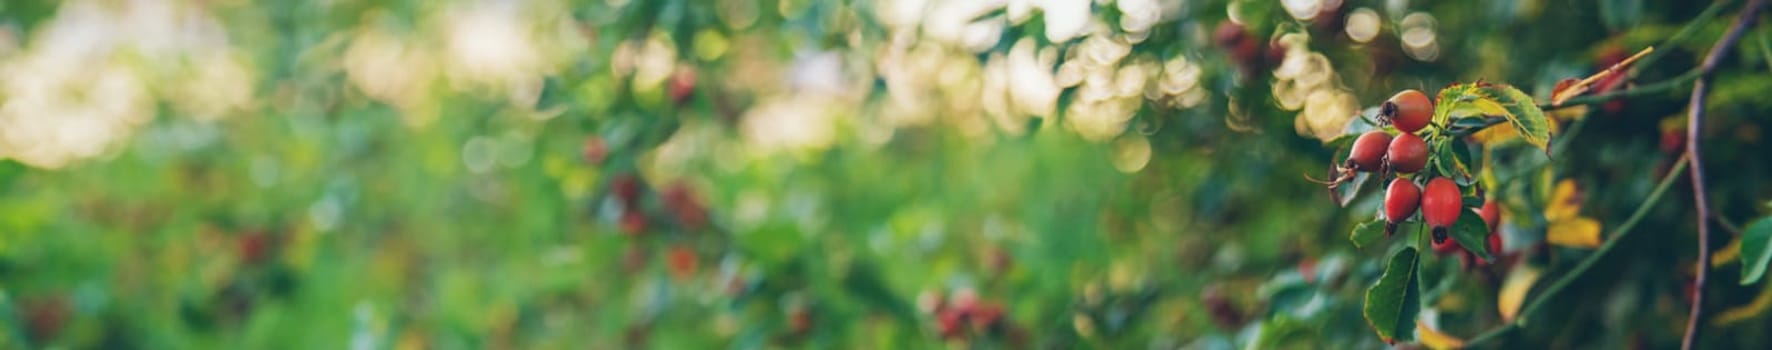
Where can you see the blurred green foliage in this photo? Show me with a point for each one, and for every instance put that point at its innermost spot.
(800, 173)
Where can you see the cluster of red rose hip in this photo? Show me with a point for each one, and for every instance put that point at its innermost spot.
(1439, 201)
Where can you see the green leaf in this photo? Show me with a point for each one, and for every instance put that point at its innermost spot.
(1366, 233)
(1371, 231)
(1756, 249)
(1393, 302)
(1523, 114)
(1461, 101)
(1480, 99)
(1471, 232)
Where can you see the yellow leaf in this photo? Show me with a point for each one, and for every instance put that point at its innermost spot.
(1433, 339)
(1566, 114)
(1728, 254)
(1582, 232)
(1489, 107)
(1513, 290)
(1565, 202)
(1495, 135)
(1744, 312)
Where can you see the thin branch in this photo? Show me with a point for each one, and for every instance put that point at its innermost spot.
(1658, 87)
(1618, 234)
(1695, 130)
(1686, 32)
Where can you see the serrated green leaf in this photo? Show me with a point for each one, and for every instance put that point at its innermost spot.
(1392, 303)
(1366, 233)
(1756, 249)
(1484, 100)
(1458, 102)
(1471, 232)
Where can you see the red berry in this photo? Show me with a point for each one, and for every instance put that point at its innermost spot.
(1368, 152)
(682, 262)
(965, 300)
(45, 317)
(1276, 53)
(257, 248)
(948, 322)
(626, 188)
(800, 321)
(1400, 200)
(1409, 110)
(682, 85)
(1228, 34)
(1491, 213)
(1673, 141)
(633, 223)
(680, 199)
(595, 151)
(1446, 246)
(1495, 243)
(986, 316)
(1408, 153)
(1441, 204)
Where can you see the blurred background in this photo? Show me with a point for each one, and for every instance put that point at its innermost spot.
(831, 174)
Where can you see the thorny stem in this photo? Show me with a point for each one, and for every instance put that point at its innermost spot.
(1667, 181)
(1694, 130)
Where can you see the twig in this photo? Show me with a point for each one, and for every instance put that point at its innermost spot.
(1694, 130)
(1662, 86)
(1556, 287)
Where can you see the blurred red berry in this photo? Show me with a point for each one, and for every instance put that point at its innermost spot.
(949, 323)
(682, 85)
(688, 210)
(626, 188)
(595, 151)
(256, 248)
(682, 262)
(985, 316)
(633, 223)
(45, 317)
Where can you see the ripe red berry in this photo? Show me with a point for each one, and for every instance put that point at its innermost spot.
(626, 188)
(986, 316)
(682, 85)
(595, 151)
(1491, 213)
(257, 248)
(964, 300)
(948, 323)
(1400, 200)
(1495, 243)
(1441, 204)
(45, 317)
(1228, 34)
(1446, 246)
(633, 223)
(682, 262)
(1408, 153)
(1368, 151)
(1409, 110)
(680, 199)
